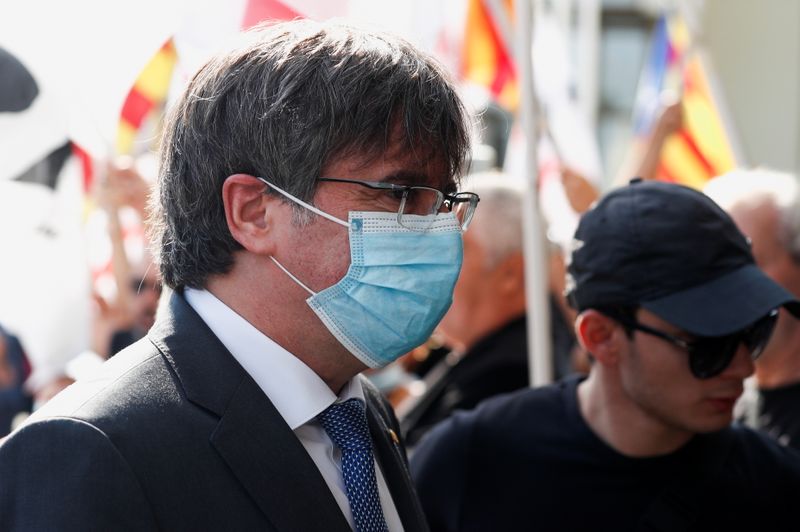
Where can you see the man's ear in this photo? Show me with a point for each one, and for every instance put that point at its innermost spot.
(600, 335)
(511, 274)
(250, 212)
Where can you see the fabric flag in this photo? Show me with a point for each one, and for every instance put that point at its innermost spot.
(44, 280)
(147, 95)
(701, 149)
(32, 125)
(487, 59)
(258, 10)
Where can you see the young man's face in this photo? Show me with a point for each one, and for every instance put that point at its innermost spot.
(656, 378)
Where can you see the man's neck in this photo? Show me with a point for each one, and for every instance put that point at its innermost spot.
(332, 362)
(621, 424)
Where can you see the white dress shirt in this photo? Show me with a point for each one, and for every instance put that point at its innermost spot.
(297, 392)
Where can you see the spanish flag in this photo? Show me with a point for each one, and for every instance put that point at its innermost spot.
(487, 60)
(146, 96)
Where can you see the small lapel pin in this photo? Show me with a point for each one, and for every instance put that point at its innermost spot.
(393, 434)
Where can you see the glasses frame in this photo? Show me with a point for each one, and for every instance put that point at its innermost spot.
(449, 201)
(695, 348)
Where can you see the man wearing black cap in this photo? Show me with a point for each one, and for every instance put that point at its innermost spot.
(673, 311)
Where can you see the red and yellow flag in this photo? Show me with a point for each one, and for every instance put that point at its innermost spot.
(701, 149)
(487, 61)
(148, 93)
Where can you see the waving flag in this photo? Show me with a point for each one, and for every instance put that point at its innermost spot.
(701, 149)
(487, 55)
(147, 94)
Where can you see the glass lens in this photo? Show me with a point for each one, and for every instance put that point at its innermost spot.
(464, 207)
(418, 202)
(709, 356)
(757, 336)
(421, 201)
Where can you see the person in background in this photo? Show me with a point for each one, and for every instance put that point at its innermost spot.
(644, 155)
(308, 225)
(485, 326)
(14, 369)
(128, 315)
(131, 313)
(673, 310)
(765, 204)
(141, 304)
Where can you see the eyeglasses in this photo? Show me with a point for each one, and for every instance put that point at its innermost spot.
(417, 200)
(710, 355)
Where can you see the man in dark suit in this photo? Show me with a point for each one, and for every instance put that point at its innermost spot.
(314, 158)
(673, 310)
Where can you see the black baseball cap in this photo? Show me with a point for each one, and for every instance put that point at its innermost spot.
(670, 250)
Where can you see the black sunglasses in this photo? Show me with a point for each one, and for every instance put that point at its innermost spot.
(710, 355)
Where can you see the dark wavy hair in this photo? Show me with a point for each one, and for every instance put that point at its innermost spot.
(296, 97)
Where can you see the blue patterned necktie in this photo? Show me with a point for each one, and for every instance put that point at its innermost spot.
(346, 424)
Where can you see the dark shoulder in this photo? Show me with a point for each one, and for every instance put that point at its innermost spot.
(530, 414)
(67, 483)
(543, 404)
(136, 381)
(758, 482)
(759, 458)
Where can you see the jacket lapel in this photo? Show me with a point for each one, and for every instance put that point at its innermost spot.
(273, 466)
(251, 436)
(393, 463)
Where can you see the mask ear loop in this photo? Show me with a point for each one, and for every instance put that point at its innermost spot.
(312, 209)
(295, 279)
(304, 204)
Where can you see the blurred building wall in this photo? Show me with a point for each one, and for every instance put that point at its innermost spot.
(755, 49)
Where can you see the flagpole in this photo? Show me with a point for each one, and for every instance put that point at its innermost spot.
(536, 294)
(588, 46)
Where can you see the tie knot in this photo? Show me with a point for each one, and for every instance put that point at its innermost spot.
(346, 424)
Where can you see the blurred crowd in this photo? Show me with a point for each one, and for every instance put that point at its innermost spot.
(616, 419)
(122, 310)
(480, 348)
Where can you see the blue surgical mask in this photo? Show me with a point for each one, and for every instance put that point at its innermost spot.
(399, 284)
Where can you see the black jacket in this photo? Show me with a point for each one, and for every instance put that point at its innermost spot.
(175, 435)
(496, 364)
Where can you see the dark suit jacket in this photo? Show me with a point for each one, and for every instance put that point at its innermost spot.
(175, 435)
(14, 399)
(496, 364)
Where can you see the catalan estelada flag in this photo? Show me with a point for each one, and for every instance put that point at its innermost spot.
(487, 60)
(701, 149)
(147, 94)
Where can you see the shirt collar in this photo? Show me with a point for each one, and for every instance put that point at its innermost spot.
(297, 392)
